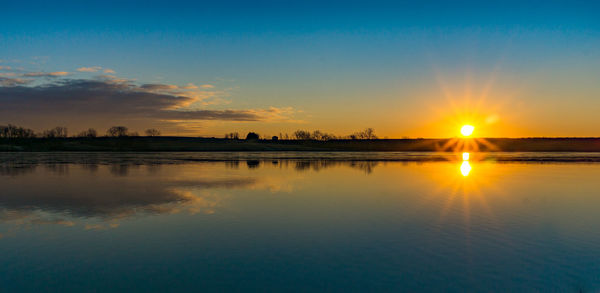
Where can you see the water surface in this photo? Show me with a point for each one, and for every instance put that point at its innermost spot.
(299, 222)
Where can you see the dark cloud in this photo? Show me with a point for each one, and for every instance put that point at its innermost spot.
(153, 86)
(231, 115)
(104, 101)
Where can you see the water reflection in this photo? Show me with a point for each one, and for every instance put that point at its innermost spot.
(105, 195)
(188, 225)
(99, 193)
(465, 167)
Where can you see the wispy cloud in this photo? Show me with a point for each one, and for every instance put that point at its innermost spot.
(190, 86)
(96, 69)
(89, 69)
(5, 68)
(11, 82)
(114, 79)
(46, 74)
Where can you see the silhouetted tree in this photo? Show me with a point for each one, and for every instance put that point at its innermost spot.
(252, 136)
(12, 131)
(319, 135)
(302, 135)
(117, 131)
(315, 135)
(368, 133)
(56, 132)
(88, 133)
(232, 135)
(152, 132)
(274, 137)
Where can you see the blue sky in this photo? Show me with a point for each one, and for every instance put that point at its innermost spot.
(404, 68)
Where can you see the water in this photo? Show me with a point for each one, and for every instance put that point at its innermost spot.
(299, 222)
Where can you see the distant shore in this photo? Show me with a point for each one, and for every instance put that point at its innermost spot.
(191, 144)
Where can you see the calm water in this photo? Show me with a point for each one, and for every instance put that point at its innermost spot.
(299, 222)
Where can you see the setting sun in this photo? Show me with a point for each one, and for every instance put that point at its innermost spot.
(467, 130)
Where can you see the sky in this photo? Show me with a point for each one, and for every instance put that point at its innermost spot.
(206, 68)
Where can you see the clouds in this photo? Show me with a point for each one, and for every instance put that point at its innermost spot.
(46, 74)
(89, 69)
(18, 76)
(108, 100)
(96, 69)
(94, 96)
(158, 87)
(230, 115)
(11, 82)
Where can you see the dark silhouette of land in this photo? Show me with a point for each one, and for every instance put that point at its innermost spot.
(120, 139)
(166, 143)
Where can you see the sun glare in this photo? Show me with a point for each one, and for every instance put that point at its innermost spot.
(465, 156)
(467, 130)
(465, 168)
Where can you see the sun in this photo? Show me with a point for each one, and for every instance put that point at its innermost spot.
(467, 130)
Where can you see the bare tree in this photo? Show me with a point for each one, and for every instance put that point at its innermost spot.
(368, 133)
(117, 131)
(90, 133)
(317, 135)
(232, 135)
(12, 131)
(152, 132)
(302, 135)
(56, 132)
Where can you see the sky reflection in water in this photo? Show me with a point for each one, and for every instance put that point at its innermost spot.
(299, 225)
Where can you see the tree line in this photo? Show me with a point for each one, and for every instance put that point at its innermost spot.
(368, 133)
(12, 131)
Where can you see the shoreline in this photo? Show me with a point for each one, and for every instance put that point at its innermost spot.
(190, 144)
(158, 158)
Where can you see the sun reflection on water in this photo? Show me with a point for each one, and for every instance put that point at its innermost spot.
(465, 156)
(465, 168)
